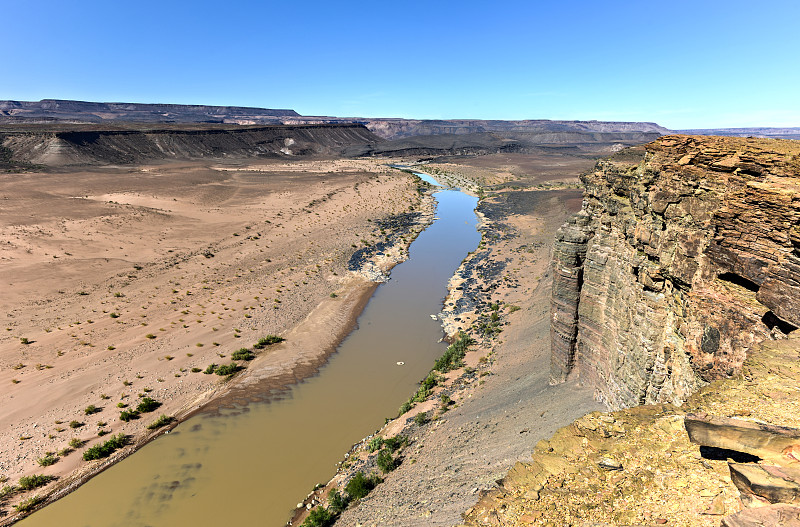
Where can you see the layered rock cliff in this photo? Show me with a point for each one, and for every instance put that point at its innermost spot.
(676, 285)
(686, 254)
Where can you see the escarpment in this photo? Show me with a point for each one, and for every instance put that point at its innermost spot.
(685, 255)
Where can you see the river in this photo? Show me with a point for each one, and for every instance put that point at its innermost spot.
(251, 465)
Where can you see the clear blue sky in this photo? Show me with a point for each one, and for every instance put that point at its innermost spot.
(683, 64)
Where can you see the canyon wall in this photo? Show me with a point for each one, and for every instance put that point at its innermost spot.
(685, 255)
(94, 145)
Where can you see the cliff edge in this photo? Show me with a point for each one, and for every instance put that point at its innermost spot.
(685, 255)
(676, 296)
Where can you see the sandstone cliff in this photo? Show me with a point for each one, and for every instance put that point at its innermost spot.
(686, 254)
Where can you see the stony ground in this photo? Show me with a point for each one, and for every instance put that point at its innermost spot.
(638, 466)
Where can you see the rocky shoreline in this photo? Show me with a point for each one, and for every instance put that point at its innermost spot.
(480, 302)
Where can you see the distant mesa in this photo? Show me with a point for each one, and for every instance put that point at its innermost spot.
(50, 110)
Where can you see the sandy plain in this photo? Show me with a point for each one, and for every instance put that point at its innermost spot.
(124, 282)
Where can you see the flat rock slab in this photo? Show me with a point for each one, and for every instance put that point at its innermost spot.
(770, 516)
(762, 440)
(771, 483)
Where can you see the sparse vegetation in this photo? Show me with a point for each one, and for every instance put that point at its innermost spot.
(361, 485)
(375, 443)
(386, 462)
(75, 442)
(163, 420)
(242, 354)
(29, 504)
(127, 415)
(267, 341)
(319, 517)
(395, 443)
(147, 405)
(34, 481)
(75, 424)
(228, 369)
(48, 459)
(91, 409)
(106, 449)
(453, 357)
(337, 502)
(421, 418)
(7, 491)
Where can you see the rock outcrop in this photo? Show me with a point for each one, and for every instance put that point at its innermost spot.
(731, 450)
(686, 254)
(675, 295)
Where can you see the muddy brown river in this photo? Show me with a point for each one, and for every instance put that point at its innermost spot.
(251, 465)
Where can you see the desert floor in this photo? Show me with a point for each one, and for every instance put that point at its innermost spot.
(124, 282)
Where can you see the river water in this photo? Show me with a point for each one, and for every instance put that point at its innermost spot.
(251, 465)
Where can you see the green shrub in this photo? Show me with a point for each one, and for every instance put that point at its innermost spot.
(361, 485)
(242, 354)
(211, 368)
(337, 502)
(106, 449)
(421, 418)
(29, 504)
(31, 482)
(394, 443)
(229, 369)
(91, 409)
(406, 406)
(385, 461)
(147, 405)
(75, 442)
(75, 424)
(454, 355)
(47, 460)
(164, 420)
(375, 443)
(267, 341)
(7, 491)
(319, 517)
(127, 415)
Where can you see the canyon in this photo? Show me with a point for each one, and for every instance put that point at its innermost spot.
(651, 306)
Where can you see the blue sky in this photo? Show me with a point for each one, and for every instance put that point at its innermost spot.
(679, 63)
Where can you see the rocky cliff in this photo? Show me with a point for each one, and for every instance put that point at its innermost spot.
(96, 144)
(676, 285)
(686, 254)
